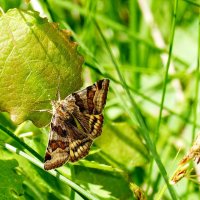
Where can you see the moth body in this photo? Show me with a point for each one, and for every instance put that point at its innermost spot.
(76, 122)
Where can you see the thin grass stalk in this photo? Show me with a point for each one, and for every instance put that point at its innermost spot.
(196, 87)
(24, 145)
(143, 128)
(165, 82)
(167, 70)
(88, 52)
(54, 173)
(110, 23)
(141, 94)
(134, 51)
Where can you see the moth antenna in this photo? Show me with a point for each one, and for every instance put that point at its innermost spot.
(42, 101)
(58, 89)
(43, 110)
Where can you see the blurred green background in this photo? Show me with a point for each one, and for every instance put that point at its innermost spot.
(150, 51)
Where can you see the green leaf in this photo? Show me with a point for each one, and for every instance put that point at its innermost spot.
(11, 182)
(104, 185)
(47, 187)
(122, 146)
(6, 4)
(36, 59)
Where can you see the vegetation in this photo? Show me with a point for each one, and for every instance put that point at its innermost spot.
(150, 51)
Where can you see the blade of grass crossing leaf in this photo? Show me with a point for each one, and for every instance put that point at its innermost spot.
(40, 164)
(144, 130)
(21, 143)
(52, 172)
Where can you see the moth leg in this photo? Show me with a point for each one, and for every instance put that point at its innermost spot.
(43, 110)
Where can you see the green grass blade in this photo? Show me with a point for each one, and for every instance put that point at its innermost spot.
(40, 162)
(54, 173)
(167, 70)
(196, 87)
(24, 145)
(143, 128)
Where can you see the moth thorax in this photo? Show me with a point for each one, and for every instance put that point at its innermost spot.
(58, 108)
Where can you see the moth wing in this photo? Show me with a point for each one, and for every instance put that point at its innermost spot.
(92, 99)
(57, 152)
(90, 124)
(66, 143)
(71, 141)
(90, 103)
(79, 144)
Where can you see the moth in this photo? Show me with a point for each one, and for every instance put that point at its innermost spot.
(76, 122)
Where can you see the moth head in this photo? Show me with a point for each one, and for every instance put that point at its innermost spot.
(58, 107)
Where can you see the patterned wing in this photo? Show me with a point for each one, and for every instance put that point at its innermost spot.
(77, 121)
(79, 144)
(92, 99)
(66, 143)
(89, 105)
(57, 152)
(90, 124)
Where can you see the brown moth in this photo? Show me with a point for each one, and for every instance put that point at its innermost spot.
(76, 122)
